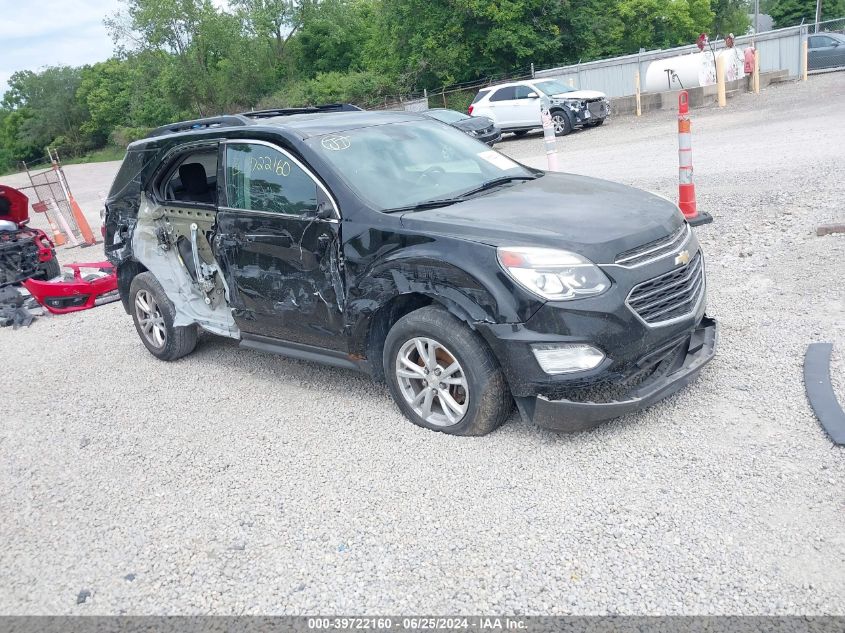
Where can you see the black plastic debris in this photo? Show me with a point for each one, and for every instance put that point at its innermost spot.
(17, 309)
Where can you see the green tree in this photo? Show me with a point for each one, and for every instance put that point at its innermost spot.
(663, 23)
(731, 17)
(48, 111)
(792, 12)
(332, 37)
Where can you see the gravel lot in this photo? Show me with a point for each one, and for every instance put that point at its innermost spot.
(236, 482)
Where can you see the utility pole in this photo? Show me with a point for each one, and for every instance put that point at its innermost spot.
(818, 14)
(756, 17)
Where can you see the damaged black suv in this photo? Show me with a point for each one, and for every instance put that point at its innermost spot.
(394, 244)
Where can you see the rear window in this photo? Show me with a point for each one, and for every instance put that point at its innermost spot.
(481, 94)
(128, 178)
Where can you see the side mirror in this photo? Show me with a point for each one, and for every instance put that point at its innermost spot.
(533, 95)
(325, 211)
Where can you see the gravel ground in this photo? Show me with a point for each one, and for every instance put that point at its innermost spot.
(236, 482)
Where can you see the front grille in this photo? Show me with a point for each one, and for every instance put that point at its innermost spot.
(597, 108)
(653, 250)
(670, 296)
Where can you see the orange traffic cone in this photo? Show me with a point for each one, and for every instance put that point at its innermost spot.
(686, 186)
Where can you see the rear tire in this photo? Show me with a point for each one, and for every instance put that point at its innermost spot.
(153, 314)
(443, 376)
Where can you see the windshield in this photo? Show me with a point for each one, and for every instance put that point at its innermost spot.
(552, 87)
(447, 116)
(408, 163)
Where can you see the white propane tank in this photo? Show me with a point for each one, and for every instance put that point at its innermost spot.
(734, 62)
(693, 70)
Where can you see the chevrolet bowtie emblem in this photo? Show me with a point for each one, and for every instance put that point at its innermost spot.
(682, 258)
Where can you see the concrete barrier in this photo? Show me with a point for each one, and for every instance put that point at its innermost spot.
(698, 97)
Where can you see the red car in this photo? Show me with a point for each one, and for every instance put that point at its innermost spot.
(24, 252)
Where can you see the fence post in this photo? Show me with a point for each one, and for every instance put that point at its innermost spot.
(443, 94)
(637, 91)
(720, 81)
(804, 54)
(756, 71)
(532, 70)
(425, 95)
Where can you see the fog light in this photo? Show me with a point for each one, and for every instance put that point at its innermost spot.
(563, 358)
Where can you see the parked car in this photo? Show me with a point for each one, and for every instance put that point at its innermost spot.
(389, 243)
(825, 50)
(515, 107)
(479, 127)
(25, 252)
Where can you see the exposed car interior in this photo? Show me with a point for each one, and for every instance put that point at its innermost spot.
(195, 179)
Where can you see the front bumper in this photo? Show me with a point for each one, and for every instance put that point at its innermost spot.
(571, 416)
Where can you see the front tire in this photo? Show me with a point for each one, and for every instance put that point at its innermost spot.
(49, 270)
(561, 122)
(153, 314)
(443, 376)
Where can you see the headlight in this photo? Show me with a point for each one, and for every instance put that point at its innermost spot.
(553, 274)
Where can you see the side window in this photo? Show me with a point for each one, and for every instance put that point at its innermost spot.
(504, 94)
(522, 92)
(820, 41)
(194, 179)
(260, 178)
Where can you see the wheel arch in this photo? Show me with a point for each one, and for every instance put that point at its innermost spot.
(398, 306)
(126, 272)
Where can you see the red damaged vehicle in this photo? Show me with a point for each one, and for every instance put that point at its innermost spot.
(25, 252)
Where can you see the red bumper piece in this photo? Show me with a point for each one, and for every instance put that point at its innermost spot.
(81, 293)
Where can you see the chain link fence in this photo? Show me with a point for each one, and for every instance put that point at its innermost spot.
(48, 184)
(826, 46)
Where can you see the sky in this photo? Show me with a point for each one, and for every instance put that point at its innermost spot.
(34, 34)
(39, 33)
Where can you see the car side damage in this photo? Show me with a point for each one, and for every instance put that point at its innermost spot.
(173, 244)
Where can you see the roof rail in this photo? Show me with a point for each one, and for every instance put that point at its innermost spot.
(208, 122)
(329, 107)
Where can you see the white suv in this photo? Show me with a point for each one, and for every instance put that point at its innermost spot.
(515, 107)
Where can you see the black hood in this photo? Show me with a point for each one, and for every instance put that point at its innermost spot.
(474, 123)
(595, 218)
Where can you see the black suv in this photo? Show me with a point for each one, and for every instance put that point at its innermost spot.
(396, 245)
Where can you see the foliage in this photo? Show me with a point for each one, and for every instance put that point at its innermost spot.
(183, 59)
(731, 17)
(792, 12)
(365, 89)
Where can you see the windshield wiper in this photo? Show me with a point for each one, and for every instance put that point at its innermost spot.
(427, 204)
(444, 202)
(490, 184)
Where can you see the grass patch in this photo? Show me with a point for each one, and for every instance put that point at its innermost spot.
(108, 153)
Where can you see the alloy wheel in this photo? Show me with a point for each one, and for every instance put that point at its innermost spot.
(559, 123)
(150, 319)
(432, 381)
